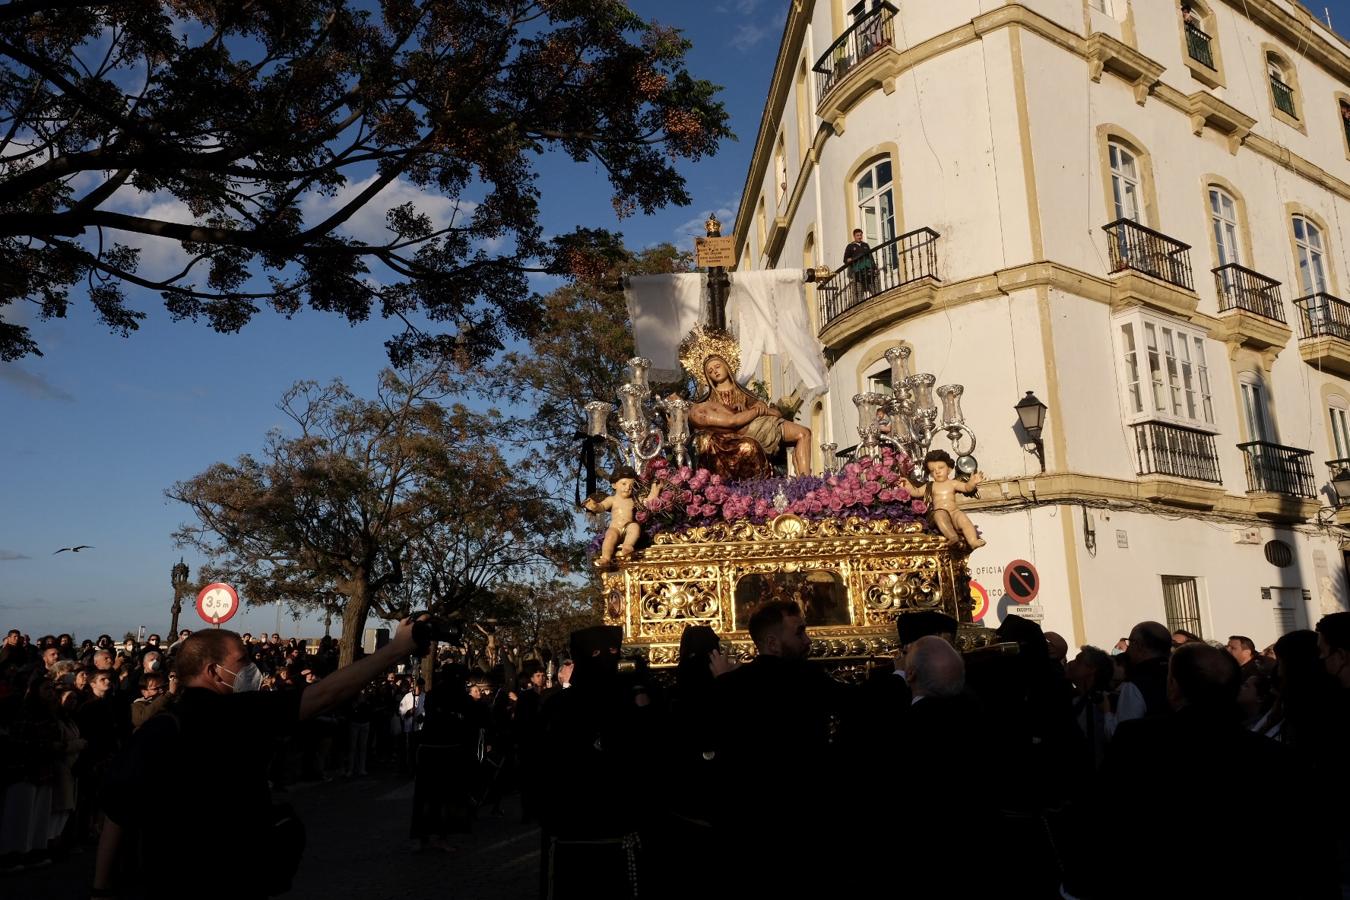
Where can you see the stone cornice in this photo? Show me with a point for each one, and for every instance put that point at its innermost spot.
(794, 31)
(1151, 493)
(1095, 49)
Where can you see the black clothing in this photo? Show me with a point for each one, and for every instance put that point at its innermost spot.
(778, 723)
(1150, 677)
(597, 741)
(211, 752)
(854, 252)
(447, 763)
(1145, 845)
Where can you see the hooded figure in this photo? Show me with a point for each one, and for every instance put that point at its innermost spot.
(595, 737)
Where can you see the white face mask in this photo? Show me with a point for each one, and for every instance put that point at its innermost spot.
(246, 679)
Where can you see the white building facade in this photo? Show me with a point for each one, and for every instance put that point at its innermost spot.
(1135, 210)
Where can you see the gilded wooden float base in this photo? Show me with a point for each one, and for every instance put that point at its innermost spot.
(851, 577)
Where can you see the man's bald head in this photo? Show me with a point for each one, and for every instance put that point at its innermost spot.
(933, 668)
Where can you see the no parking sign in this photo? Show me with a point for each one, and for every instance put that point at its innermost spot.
(1021, 581)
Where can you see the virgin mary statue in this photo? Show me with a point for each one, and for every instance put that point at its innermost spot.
(735, 431)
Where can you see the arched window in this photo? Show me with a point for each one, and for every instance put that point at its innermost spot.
(1126, 182)
(1338, 410)
(1197, 21)
(1223, 217)
(1256, 408)
(1283, 87)
(1344, 108)
(780, 170)
(1310, 256)
(874, 191)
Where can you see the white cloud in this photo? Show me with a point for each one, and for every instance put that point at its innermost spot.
(34, 385)
(749, 34)
(368, 223)
(686, 231)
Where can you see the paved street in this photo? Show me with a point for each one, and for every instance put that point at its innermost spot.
(358, 847)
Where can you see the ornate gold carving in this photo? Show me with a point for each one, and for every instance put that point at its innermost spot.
(705, 341)
(788, 525)
(887, 568)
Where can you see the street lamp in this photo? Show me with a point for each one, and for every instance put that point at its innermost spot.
(1031, 413)
(1340, 483)
(178, 576)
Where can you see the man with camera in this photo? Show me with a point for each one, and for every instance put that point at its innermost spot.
(211, 751)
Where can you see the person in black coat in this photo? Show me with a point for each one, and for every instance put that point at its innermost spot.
(777, 723)
(598, 739)
(1145, 845)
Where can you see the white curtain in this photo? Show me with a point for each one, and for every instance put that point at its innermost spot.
(769, 314)
(663, 309)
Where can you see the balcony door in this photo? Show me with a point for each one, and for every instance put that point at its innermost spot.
(1312, 269)
(875, 193)
(1256, 411)
(1125, 182)
(1223, 222)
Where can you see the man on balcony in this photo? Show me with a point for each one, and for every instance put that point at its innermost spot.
(862, 271)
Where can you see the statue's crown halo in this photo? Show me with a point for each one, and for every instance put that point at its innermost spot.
(703, 342)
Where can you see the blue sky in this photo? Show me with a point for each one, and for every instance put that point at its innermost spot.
(101, 425)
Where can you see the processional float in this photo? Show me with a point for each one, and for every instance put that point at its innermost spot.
(856, 546)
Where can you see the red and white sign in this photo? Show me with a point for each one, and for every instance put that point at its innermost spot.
(981, 598)
(217, 602)
(1021, 581)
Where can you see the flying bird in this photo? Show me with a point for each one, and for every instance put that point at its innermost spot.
(76, 549)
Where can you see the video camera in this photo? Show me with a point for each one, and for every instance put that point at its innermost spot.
(434, 628)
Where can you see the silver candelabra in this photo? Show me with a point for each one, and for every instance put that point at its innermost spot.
(640, 436)
(908, 419)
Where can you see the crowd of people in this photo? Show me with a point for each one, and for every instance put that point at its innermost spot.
(1022, 768)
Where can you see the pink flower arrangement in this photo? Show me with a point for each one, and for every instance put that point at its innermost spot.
(867, 488)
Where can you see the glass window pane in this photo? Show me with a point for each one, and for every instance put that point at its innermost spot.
(883, 173)
(865, 185)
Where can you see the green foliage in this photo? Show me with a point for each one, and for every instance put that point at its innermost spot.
(578, 353)
(244, 112)
(375, 505)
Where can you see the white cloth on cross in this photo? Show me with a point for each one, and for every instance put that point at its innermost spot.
(770, 318)
(663, 309)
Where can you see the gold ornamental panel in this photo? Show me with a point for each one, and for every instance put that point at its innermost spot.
(852, 578)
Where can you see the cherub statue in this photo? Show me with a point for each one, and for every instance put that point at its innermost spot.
(942, 489)
(623, 525)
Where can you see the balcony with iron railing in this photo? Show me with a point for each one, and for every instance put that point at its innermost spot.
(868, 34)
(1251, 309)
(1284, 97)
(1240, 288)
(1324, 332)
(1198, 46)
(1135, 247)
(897, 263)
(1322, 315)
(1166, 449)
(1276, 469)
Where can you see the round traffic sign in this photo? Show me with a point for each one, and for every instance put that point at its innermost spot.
(217, 602)
(981, 599)
(1021, 581)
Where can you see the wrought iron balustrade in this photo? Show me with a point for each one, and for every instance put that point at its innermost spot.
(1241, 288)
(1165, 449)
(901, 260)
(1198, 46)
(1284, 97)
(869, 33)
(1134, 246)
(1276, 469)
(1322, 315)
